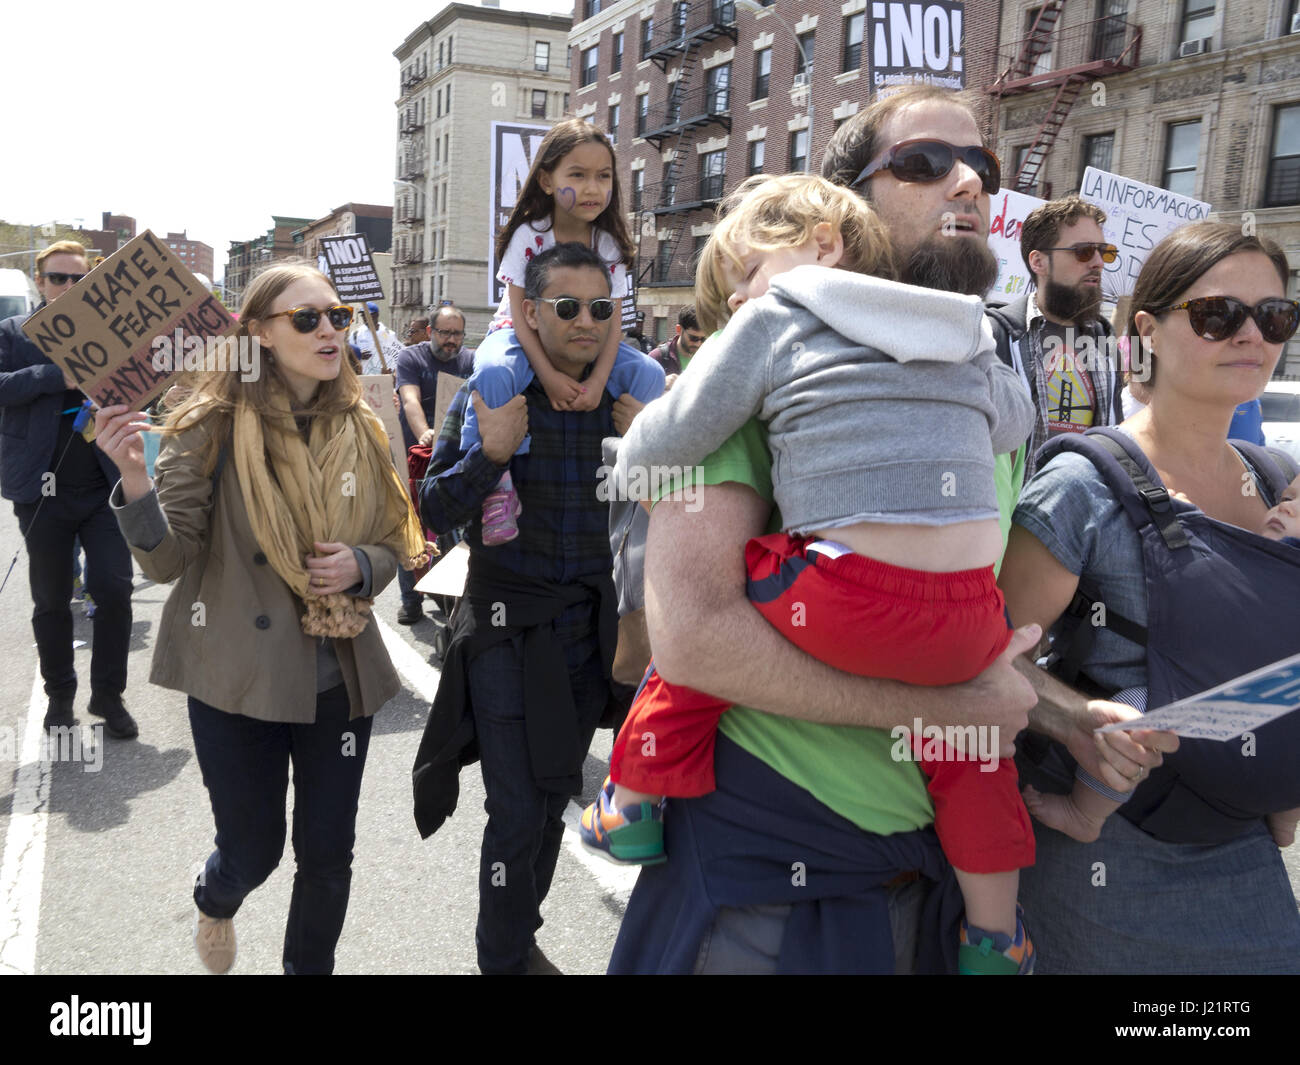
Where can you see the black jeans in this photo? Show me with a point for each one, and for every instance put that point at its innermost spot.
(521, 842)
(49, 527)
(245, 765)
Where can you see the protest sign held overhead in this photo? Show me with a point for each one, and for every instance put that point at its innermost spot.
(350, 267)
(1007, 213)
(1138, 217)
(128, 325)
(917, 42)
(513, 148)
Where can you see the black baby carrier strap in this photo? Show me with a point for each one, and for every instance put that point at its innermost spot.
(1222, 601)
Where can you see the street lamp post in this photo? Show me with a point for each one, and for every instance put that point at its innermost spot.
(754, 8)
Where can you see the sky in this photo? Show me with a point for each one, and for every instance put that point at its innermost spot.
(207, 118)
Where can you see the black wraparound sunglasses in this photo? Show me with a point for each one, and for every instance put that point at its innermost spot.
(1219, 317)
(924, 161)
(305, 319)
(55, 278)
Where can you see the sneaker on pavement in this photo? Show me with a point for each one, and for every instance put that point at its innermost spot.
(117, 722)
(410, 614)
(59, 712)
(632, 836)
(214, 939)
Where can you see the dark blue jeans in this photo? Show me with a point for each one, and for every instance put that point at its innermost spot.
(245, 765)
(521, 842)
(50, 527)
(406, 585)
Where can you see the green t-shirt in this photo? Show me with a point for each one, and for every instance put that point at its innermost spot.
(851, 770)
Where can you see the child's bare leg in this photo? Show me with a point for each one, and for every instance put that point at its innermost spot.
(627, 797)
(1282, 826)
(1079, 815)
(990, 899)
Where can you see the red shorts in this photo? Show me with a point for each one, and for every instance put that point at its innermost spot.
(871, 619)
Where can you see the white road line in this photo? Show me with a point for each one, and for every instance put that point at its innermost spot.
(24, 855)
(423, 679)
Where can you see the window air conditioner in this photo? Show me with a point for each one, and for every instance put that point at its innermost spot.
(800, 81)
(1193, 47)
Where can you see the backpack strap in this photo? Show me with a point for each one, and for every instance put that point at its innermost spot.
(1271, 465)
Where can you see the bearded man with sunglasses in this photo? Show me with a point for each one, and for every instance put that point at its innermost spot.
(1059, 340)
(59, 484)
(526, 678)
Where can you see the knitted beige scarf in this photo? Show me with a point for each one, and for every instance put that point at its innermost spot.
(338, 486)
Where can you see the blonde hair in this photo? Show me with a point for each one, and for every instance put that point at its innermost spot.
(61, 247)
(217, 393)
(768, 213)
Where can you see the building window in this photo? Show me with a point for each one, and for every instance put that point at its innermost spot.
(756, 150)
(762, 72)
(803, 58)
(719, 89)
(566, 103)
(437, 96)
(612, 129)
(647, 36)
(590, 63)
(664, 260)
(1291, 25)
(542, 55)
(713, 174)
(1182, 145)
(1284, 158)
(853, 41)
(440, 62)
(449, 50)
(616, 58)
(638, 189)
(680, 11)
(696, 251)
(642, 111)
(590, 8)
(1096, 153)
(798, 150)
(447, 101)
(1198, 20)
(539, 103)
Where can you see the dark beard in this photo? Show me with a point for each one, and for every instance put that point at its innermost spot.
(952, 264)
(1069, 303)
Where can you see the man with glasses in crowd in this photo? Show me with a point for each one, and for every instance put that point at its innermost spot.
(527, 677)
(442, 351)
(1059, 340)
(801, 738)
(59, 484)
(674, 355)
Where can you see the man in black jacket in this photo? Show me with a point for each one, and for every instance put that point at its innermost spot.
(59, 485)
(1054, 334)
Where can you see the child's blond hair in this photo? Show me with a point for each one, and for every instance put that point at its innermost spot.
(767, 213)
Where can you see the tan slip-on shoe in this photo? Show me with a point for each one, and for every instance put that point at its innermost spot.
(214, 939)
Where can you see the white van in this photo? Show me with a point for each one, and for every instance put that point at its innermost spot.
(17, 294)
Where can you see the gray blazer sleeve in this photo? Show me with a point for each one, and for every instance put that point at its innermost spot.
(722, 388)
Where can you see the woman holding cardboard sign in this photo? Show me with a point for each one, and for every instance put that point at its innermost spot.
(277, 510)
(1142, 550)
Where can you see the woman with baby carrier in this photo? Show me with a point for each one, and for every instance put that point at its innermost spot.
(1142, 548)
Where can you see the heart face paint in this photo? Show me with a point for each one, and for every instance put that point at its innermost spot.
(566, 197)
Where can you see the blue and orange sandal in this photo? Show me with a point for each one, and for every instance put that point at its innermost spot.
(634, 836)
(984, 953)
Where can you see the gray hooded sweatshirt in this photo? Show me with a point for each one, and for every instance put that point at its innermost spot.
(883, 402)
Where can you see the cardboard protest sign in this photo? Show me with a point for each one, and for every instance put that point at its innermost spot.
(350, 268)
(1138, 217)
(914, 42)
(513, 148)
(377, 391)
(133, 321)
(1008, 210)
(448, 386)
(1225, 712)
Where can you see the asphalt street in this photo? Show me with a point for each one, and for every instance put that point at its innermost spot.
(98, 866)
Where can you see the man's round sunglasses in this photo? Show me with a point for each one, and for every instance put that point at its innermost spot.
(305, 319)
(1219, 317)
(567, 308)
(55, 278)
(1085, 252)
(922, 161)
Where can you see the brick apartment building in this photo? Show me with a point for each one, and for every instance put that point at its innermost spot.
(1200, 97)
(698, 96)
(374, 221)
(247, 258)
(462, 70)
(193, 253)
